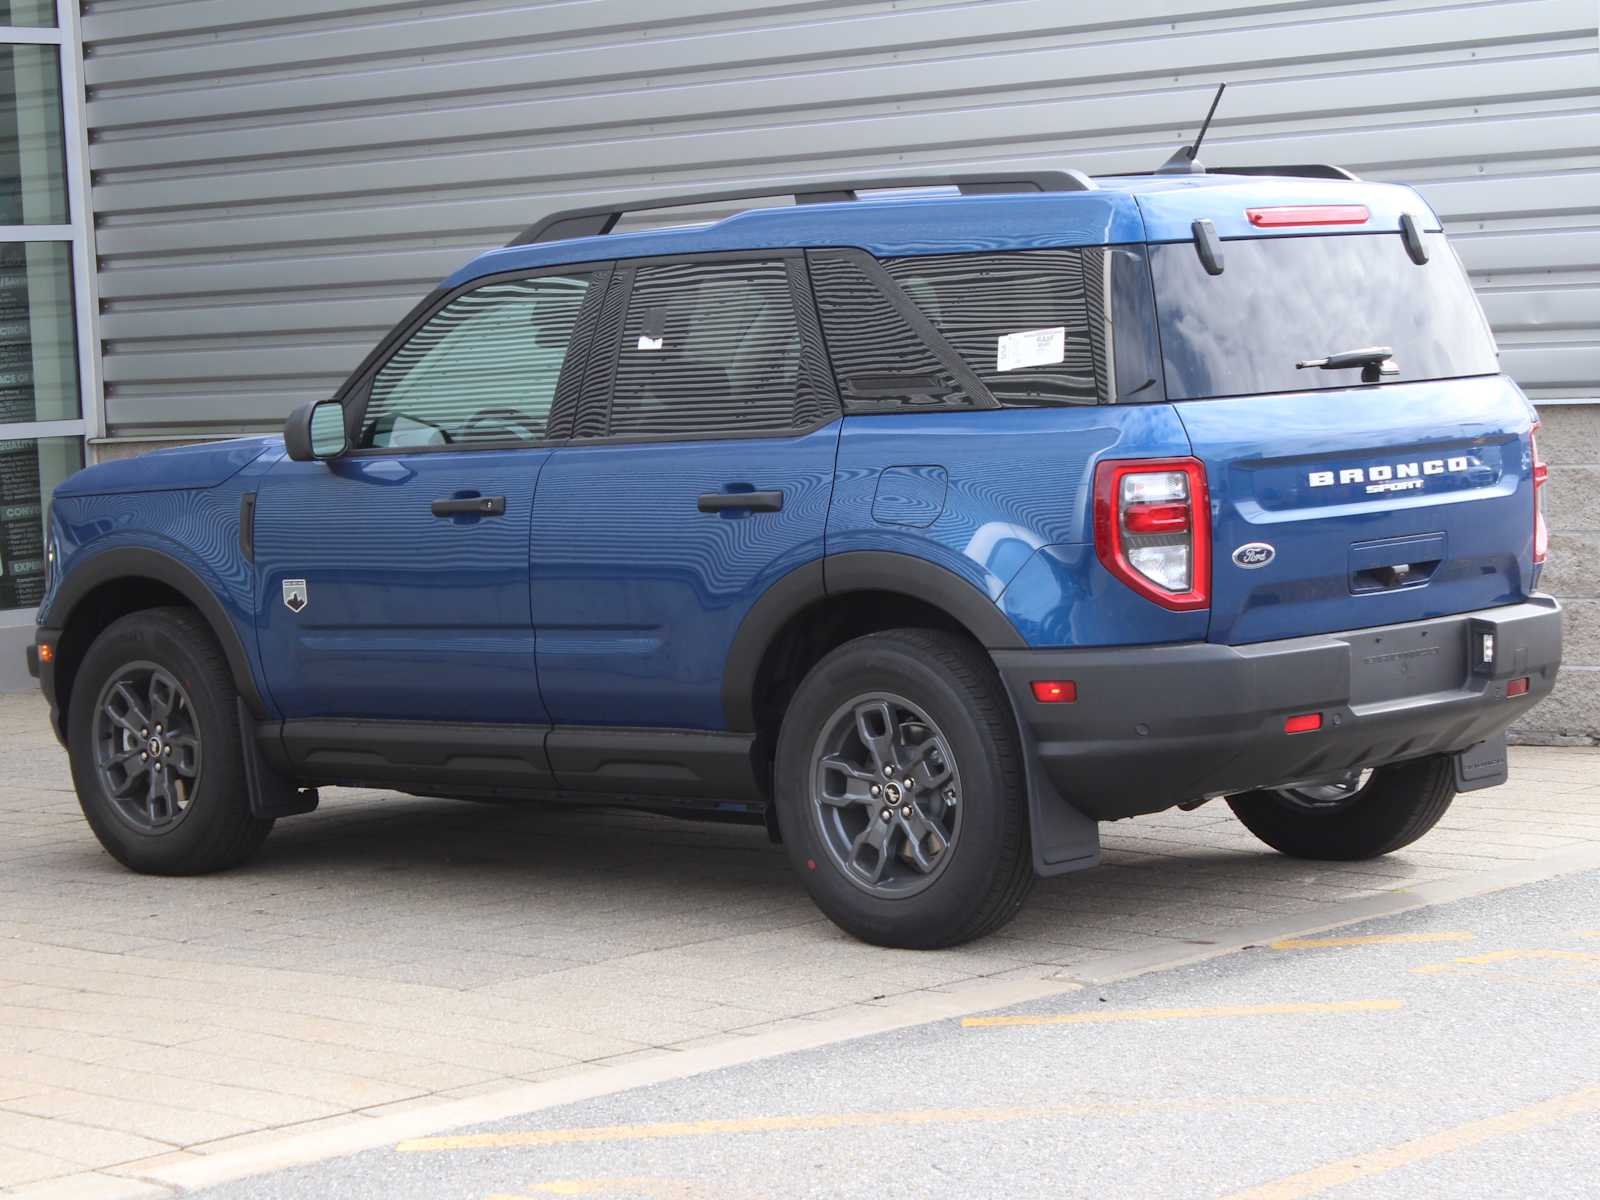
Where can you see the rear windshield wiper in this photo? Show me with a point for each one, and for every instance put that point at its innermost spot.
(1373, 360)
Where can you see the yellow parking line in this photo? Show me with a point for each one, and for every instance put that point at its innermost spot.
(1392, 1158)
(847, 1120)
(1178, 1014)
(1500, 956)
(663, 1189)
(1374, 939)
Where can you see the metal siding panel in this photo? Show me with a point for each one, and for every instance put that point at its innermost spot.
(272, 191)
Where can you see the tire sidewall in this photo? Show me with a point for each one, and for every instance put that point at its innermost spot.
(143, 637)
(880, 664)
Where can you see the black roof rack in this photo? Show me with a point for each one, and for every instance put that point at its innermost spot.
(1303, 170)
(602, 219)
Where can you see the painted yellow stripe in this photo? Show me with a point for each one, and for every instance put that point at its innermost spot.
(1375, 939)
(847, 1120)
(1182, 1014)
(663, 1189)
(1392, 1158)
(1498, 956)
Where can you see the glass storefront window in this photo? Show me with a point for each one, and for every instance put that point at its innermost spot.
(34, 14)
(33, 155)
(38, 341)
(30, 469)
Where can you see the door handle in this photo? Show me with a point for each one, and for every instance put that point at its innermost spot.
(754, 501)
(471, 506)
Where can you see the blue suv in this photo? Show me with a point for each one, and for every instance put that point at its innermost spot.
(932, 529)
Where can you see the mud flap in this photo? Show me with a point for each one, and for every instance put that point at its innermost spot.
(271, 794)
(1064, 840)
(1481, 766)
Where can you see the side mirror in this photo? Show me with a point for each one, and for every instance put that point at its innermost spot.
(316, 431)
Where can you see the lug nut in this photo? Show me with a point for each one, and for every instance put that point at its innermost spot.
(143, 757)
(158, 729)
(889, 772)
(876, 790)
(885, 814)
(910, 786)
(144, 733)
(166, 750)
(906, 811)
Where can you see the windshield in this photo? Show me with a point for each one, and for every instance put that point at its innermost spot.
(1284, 300)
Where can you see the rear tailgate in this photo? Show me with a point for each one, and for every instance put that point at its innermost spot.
(1391, 484)
(1368, 506)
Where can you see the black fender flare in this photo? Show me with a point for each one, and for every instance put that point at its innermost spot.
(140, 562)
(838, 575)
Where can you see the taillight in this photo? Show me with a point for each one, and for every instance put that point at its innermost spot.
(1152, 528)
(1541, 476)
(1289, 215)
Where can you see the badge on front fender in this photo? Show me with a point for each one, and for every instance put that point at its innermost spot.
(295, 595)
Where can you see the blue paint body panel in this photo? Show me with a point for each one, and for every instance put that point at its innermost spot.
(1260, 452)
(638, 595)
(202, 466)
(1017, 480)
(410, 616)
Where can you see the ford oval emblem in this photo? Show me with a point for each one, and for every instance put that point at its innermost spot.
(1254, 554)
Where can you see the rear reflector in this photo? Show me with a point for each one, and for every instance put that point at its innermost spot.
(1304, 723)
(1055, 691)
(1156, 518)
(1517, 687)
(47, 652)
(1307, 214)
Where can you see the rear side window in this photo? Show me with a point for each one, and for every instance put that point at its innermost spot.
(483, 368)
(712, 348)
(1284, 300)
(1030, 324)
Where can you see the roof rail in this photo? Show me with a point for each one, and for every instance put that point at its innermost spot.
(1303, 170)
(602, 219)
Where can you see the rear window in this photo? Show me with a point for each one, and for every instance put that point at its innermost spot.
(1283, 300)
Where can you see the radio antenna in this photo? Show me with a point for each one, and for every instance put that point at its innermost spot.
(1186, 160)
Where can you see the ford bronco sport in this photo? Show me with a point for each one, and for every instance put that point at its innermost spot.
(931, 528)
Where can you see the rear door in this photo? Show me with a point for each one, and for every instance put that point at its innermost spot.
(1384, 491)
(699, 474)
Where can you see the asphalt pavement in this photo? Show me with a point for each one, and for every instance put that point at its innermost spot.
(1452, 1051)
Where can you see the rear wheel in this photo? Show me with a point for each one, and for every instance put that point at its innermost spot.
(153, 736)
(900, 791)
(1364, 816)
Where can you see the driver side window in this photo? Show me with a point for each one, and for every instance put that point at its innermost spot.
(482, 369)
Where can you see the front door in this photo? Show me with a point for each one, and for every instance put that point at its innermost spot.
(393, 582)
(705, 479)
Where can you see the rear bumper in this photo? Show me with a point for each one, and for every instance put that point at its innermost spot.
(1155, 726)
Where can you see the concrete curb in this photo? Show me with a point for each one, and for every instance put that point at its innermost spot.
(195, 1173)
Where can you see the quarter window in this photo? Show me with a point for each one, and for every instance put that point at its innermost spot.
(712, 348)
(1030, 324)
(483, 368)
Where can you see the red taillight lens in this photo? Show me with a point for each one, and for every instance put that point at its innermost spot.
(1541, 476)
(1307, 214)
(1152, 528)
(1304, 723)
(1518, 687)
(1155, 518)
(1055, 691)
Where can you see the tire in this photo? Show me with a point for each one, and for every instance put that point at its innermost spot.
(926, 897)
(1394, 808)
(193, 816)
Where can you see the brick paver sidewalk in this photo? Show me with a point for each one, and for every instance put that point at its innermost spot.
(390, 951)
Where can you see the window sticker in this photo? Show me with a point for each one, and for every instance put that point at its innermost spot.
(650, 343)
(1031, 348)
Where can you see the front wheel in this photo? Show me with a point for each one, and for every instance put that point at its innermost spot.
(900, 791)
(1365, 816)
(154, 742)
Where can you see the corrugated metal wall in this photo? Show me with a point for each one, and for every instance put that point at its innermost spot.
(275, 183)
